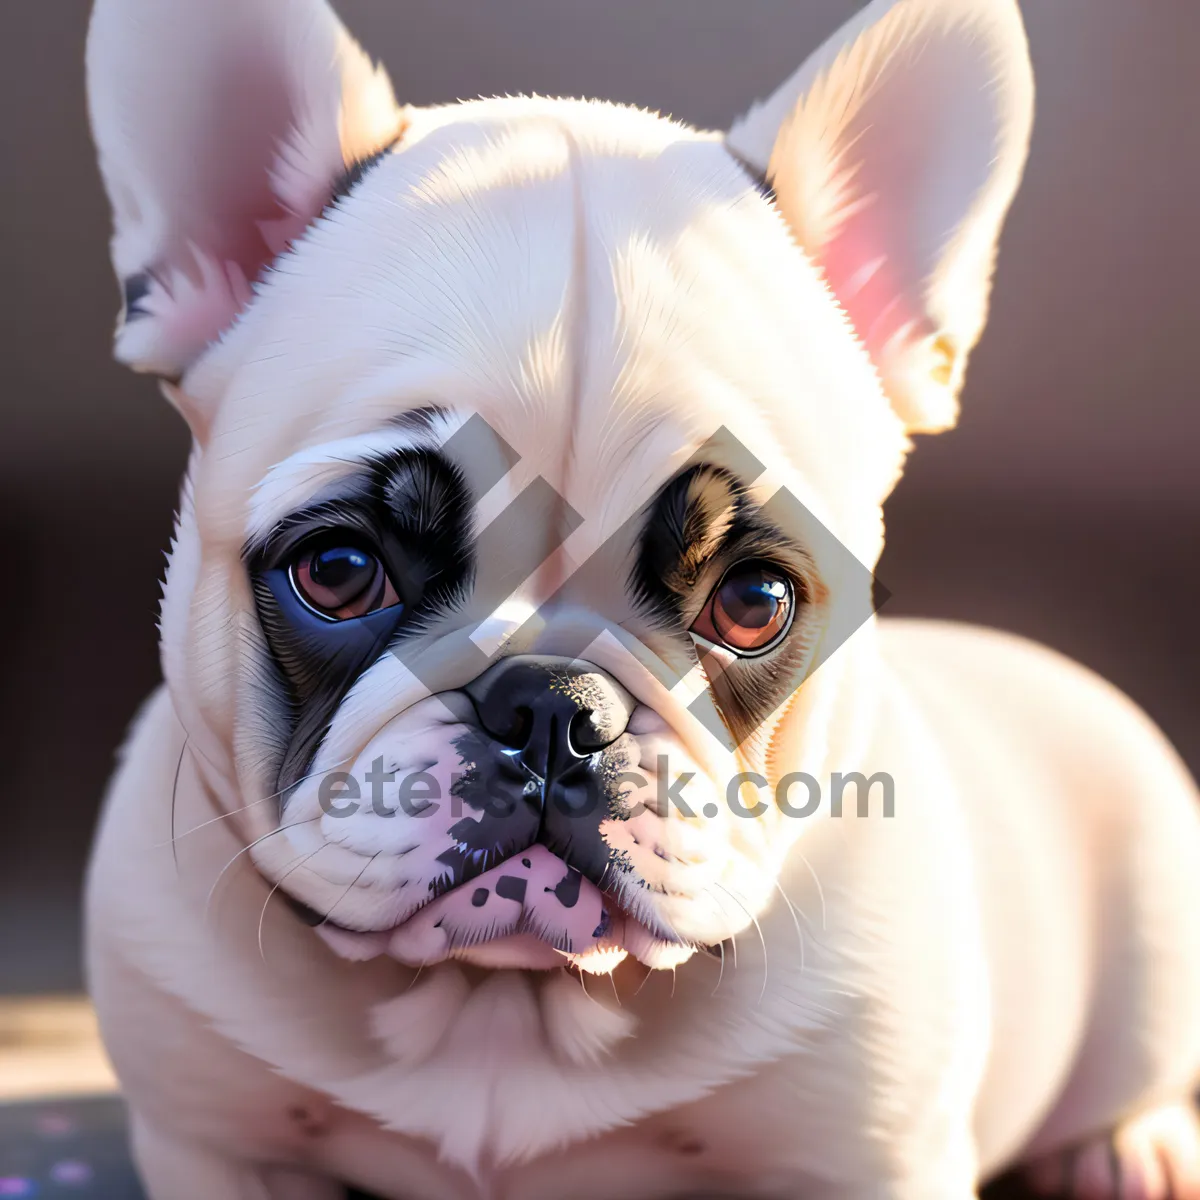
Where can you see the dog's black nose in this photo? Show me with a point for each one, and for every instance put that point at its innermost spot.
(553, 711)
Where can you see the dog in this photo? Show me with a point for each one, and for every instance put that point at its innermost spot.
(518, 632)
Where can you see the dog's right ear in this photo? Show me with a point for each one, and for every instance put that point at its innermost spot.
(222, 127)
(894, 152)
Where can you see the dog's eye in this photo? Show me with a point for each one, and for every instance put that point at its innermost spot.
(749, 610)
(341, 581)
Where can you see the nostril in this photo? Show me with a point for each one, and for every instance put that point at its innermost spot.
(516, 731)
(583, 734)
(552, 712)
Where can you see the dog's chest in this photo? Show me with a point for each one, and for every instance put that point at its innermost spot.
(710, 1147)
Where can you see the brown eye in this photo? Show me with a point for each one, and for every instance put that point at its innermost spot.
(750, 609)
(341, 582)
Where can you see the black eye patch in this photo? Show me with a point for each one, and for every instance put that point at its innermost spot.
(410, 509)
(703, 518)
(310, 649)
(318, 662)
(703, 522)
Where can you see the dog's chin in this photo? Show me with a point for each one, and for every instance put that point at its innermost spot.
(529, 912)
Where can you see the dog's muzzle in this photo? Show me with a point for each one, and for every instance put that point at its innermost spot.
(528, 875)
(545, 758)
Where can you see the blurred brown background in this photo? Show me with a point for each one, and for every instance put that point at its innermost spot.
(1066, 505)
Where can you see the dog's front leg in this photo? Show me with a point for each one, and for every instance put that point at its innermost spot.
(174, 1169)
(950, 1175)
(946, 1175)
(950, 1178)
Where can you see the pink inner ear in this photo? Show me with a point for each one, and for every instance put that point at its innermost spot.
(184, 309)
(234, 207)
(251, 183)
(895, 203)
(869, 285)
(895, 150)
(256, 213)
(222, 126)
(190, 303)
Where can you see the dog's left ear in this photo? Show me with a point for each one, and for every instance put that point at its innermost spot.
(894, 153)
(222, 128)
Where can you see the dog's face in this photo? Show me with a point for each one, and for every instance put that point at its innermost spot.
(543, 463)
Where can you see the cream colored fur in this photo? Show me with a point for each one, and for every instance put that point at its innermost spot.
(1006, 965)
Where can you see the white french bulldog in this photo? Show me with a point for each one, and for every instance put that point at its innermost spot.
(539, 455)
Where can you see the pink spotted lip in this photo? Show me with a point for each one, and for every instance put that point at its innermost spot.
(531, 911)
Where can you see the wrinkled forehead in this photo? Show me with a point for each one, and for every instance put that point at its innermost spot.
(604, 294)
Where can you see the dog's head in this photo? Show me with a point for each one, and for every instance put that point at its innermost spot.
(539, 452)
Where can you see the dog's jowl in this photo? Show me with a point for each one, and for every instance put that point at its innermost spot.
(523, 569)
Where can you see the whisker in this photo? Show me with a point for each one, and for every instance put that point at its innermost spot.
(732, 939)
(612, 978)
(246, 807)
(582, 976)
(581, 982)
(349, 888)
(250, 846)
(296, 865)
(795, 920)
(820, 890)
(175, 797)
(721, 975)
(187, 734)
(649, 971)
(758, 927)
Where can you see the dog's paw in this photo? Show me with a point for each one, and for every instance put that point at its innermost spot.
(1154, 1156)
